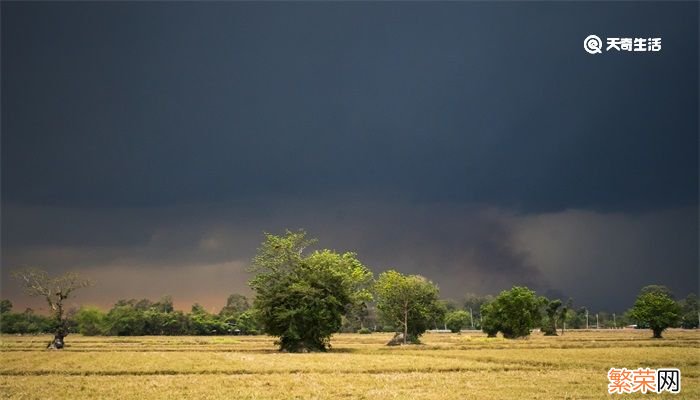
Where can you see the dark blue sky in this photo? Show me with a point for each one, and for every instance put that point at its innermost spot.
(465, 122)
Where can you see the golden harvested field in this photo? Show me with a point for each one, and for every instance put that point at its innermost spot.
(446, 366)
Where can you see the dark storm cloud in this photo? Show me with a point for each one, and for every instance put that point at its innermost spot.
(460, 248)
(149, 145)
(606, 257)
(600, 259)
(111, 104)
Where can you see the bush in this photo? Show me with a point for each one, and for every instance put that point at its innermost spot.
(247, 323)
(23, 323)
(457, 320)
(657, 310)
(91, 321)
(125, 320)
(514, 313)
(364, 331)
(207, 324)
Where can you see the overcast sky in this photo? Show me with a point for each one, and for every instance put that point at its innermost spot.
(149, 146)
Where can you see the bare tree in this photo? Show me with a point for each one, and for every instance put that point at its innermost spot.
(55, 289)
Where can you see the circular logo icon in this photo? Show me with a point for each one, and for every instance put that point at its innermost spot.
(592, 44)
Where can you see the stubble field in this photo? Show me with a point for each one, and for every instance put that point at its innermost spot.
(445, 366)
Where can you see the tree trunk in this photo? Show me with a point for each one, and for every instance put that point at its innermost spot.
(405, 324)
(657, 333)
(57, 342)
(61, 328)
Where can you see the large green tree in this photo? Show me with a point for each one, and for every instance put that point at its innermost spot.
(513, 312)
(457, 320)
(489, 319)
(301, 298)
(656, 309)
(552, 312)
(408, 302)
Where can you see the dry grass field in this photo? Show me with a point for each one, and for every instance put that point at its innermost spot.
(446, 366)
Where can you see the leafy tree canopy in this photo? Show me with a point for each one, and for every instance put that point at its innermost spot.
(656, 309)
(457, 320)
(513, 312)
(409, 302)
(301, 298)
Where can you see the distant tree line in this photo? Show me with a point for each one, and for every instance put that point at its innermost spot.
(145, 317)
(303, 298)
(139, 317)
